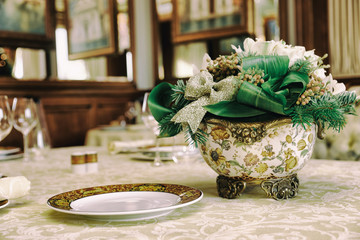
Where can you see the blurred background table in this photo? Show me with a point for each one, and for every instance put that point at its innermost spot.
(103, 135)
(327, 207)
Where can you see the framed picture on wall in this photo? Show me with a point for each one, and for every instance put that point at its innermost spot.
(27, 23)
(204, 19)
(91, 27)
(271, 28)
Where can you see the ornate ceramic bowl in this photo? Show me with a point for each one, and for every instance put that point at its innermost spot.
(257, 152)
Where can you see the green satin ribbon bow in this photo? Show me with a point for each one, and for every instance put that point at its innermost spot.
(276, 95)
(160, 101)
(232, 97)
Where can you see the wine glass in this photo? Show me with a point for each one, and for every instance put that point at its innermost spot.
(151, 123)
(25, 119)
(5, 117)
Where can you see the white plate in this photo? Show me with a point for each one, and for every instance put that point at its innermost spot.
(113, 128)
(4, 203)
(166, 152)
(11, 156)
(125, 202)
(9, 150)
(167, 149)
(164, 156)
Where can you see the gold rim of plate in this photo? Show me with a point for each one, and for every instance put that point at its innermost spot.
(63, 200)
(3, 203)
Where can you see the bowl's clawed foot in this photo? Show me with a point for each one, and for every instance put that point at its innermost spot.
(230, 187)
(282, 188)
(279, 189)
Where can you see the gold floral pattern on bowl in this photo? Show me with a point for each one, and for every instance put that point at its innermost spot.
(256, 150)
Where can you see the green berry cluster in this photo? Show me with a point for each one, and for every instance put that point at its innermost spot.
(224, 66)
(253, 75)
(315, 89)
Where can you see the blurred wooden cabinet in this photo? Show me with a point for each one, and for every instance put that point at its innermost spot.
(71, 108)
(69, 118)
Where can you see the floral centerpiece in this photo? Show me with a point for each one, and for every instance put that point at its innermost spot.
(266, 85)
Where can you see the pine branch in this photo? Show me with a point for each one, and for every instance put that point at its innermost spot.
(347, 101)
(329, 113)
(199, 137)
(300, 116)
(329, 110)
(178, 95)
(169, 128)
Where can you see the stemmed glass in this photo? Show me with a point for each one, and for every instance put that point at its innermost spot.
(151, 123)
(25, 119)
(6, 123)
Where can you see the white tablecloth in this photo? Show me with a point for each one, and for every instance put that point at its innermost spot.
(327, 207)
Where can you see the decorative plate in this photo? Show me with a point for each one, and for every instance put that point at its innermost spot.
(9, 150)
(166, 152)
(113, 128)
(4, 203)
(11, 156)
(125, 202)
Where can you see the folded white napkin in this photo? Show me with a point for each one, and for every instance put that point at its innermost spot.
(115, 147)
(14, 187)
